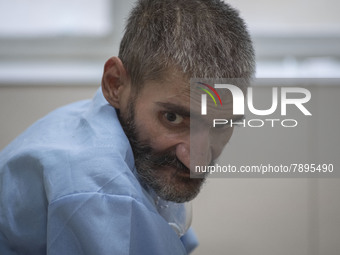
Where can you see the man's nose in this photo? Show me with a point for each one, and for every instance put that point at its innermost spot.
(196, 150)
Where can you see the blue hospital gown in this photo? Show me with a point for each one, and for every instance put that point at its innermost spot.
(67, 186)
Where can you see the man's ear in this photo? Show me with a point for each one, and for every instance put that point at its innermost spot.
(114, 81)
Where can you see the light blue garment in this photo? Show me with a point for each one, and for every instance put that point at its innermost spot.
(67, 186)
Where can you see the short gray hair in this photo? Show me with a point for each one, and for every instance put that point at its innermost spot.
(200, 38)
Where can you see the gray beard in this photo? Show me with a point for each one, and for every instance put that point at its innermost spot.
(148, 162)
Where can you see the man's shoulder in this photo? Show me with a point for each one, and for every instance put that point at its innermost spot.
(80, 147)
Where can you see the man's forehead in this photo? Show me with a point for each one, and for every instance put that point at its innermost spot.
(175, 91)
(171, 78)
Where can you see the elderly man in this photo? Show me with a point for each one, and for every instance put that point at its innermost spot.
(112, 175)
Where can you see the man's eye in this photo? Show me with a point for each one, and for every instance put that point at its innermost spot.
(174, 118)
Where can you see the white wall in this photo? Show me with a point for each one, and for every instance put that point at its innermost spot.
(290, 16)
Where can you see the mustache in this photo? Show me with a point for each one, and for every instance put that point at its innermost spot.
(158, 159)
(169, 159)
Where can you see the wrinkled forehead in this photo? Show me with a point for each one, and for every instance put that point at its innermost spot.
(172, 87)
(170, 81)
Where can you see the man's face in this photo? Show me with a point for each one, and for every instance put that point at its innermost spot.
(157, 123)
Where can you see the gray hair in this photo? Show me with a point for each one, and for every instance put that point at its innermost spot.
(200, 38)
